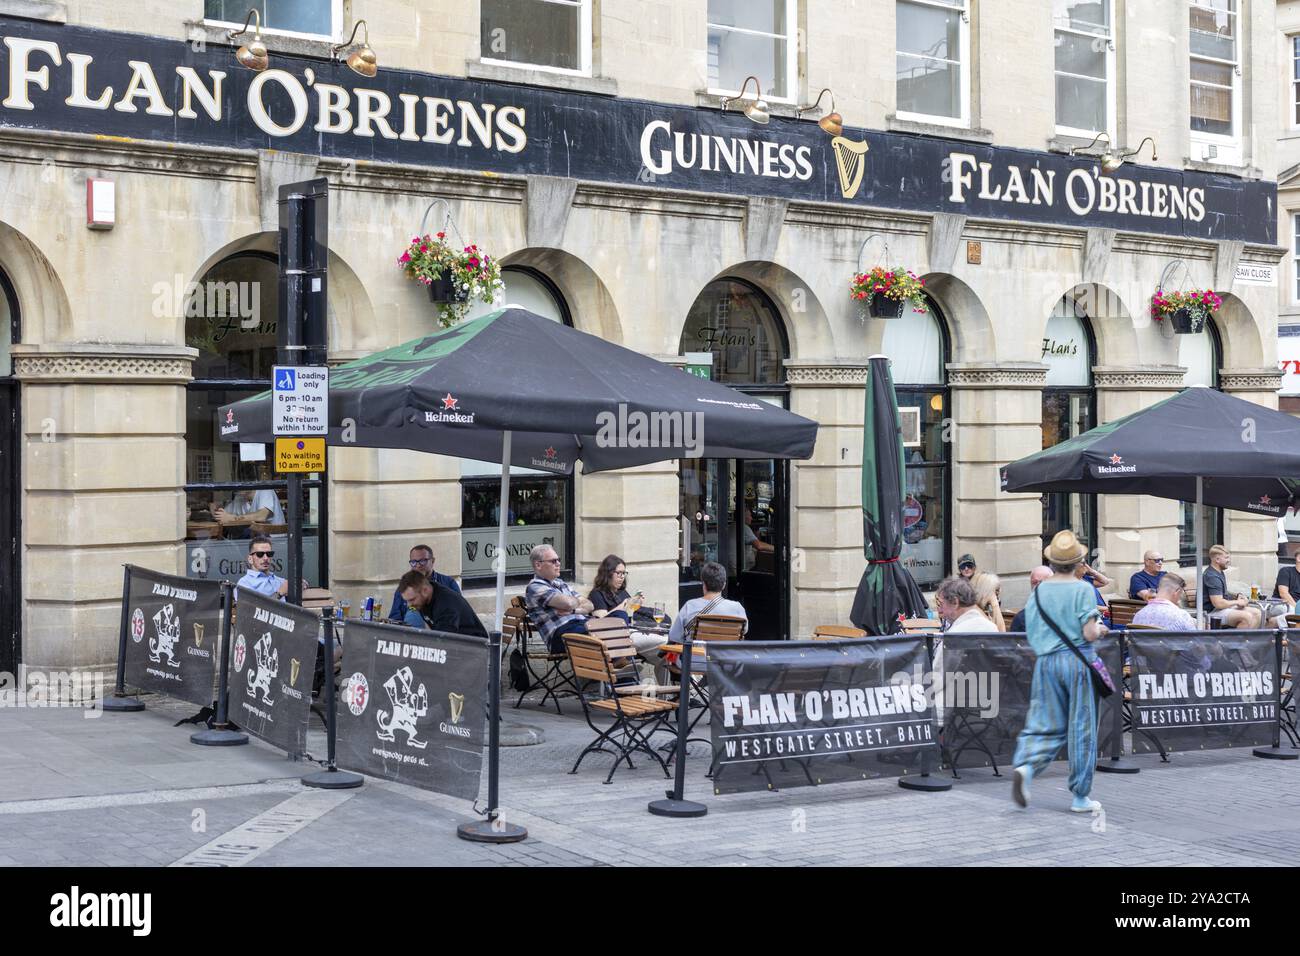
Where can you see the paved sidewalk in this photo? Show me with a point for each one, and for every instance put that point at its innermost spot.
(130, 789)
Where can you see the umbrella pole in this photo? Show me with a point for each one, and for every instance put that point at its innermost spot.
(1198, 544)
(495, 829)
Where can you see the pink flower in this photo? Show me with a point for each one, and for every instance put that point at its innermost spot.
(442, 235)
(406, 257)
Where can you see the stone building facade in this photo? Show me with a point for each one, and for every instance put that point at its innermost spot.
(1039, 326)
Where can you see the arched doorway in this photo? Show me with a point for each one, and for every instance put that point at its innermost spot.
(231, 317)
(733, 511)
(541, 505)
(10, 474)
(1069, 409)
(1202, 356)
(918, 349)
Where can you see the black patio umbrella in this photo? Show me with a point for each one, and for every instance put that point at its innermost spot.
(886, 592)
(1199, 445)
(513, 386)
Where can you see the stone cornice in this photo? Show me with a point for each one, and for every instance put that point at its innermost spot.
(1250, 379)
(1122, 378)
(1010, 375)
(96, 362)
(830, 373)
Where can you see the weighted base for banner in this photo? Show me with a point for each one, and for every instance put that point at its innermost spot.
(491, 831)
(219, 738)
(1276, 753)
(1117, 766)
(924, 783)
(122, 705)
(333, 780)
(677, 808)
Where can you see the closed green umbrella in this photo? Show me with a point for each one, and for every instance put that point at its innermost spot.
(886, 594)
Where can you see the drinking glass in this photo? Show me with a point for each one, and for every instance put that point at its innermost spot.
(658, 613)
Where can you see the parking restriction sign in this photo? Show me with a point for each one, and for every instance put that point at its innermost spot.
(301, 399)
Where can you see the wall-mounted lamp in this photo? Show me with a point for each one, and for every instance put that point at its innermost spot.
(252, 55)
(757, 110)
(1111, 159)
(362, 60)
(832, 122)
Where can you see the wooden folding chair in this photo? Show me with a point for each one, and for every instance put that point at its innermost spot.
(617, 637)
(592, 660)
(1122, 611)
(516, 626)
(832, 632)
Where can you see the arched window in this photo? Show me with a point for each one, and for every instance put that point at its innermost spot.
(1069, 409)
(740, 329)
(10, 476)
(541, 505)
(232, 492)
(1202, 356)
(917, 346)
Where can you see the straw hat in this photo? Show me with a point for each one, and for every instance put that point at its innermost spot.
(1065, 549)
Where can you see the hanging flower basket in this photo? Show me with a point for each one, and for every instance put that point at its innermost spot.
(884, 293)
(1187, 312)
(454, 279)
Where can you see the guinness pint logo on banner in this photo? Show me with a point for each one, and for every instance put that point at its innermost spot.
(198, 634)
(295, 666)
(457, 702)
(850, 163)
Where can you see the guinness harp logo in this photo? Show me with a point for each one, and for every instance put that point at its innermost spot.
(198, 635)
(294, 666)
(457, 702)
(850, 163)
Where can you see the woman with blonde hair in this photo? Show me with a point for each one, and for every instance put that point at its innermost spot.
(988, 593)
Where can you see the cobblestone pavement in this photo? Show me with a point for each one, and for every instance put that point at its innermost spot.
(130, 789)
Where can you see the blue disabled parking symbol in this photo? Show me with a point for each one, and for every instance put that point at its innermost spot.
(284, 382)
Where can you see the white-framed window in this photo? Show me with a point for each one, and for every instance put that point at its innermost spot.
(1215, 50)
(309, 19)
(1295, 82)
(552, 35)
(1295, 257)
(754, 38)
(1085, 66)
(933, 61)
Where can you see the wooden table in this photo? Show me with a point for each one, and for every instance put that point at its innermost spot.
(203, 530)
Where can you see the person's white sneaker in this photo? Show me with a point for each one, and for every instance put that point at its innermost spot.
(1020, 778)
(1085, 805)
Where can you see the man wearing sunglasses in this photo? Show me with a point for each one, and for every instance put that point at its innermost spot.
(1143, 585)
(260, 577)
(421, 559)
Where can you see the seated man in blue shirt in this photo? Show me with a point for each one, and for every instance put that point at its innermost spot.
(1143, 585)
(422, 561)
(260, 577)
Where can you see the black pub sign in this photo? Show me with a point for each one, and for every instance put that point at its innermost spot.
(73, 79)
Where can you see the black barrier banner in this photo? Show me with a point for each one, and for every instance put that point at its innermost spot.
(1203, 690)
(175, 628)
(413, 706)
(272, 662)
(798, 713)
(984, 697)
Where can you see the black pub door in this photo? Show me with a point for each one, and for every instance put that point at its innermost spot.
(10, 502)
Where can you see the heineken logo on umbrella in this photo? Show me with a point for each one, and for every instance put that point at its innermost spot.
(450, 413)
(1265, 503)
(1116, 467)
(551, 460)
(229, 428)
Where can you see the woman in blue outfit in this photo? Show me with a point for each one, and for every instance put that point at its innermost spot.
(1063, 704)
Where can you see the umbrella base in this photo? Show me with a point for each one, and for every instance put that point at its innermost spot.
(1276, 753)
(925, 783)
(677, 808)
(1118, 766)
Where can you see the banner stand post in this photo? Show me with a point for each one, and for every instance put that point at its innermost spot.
(495, 828)
(331, 778)
(676, 804)
(1117, 763)
(221, 734)
(1276, 752)
(924, 782)
(118, 702)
